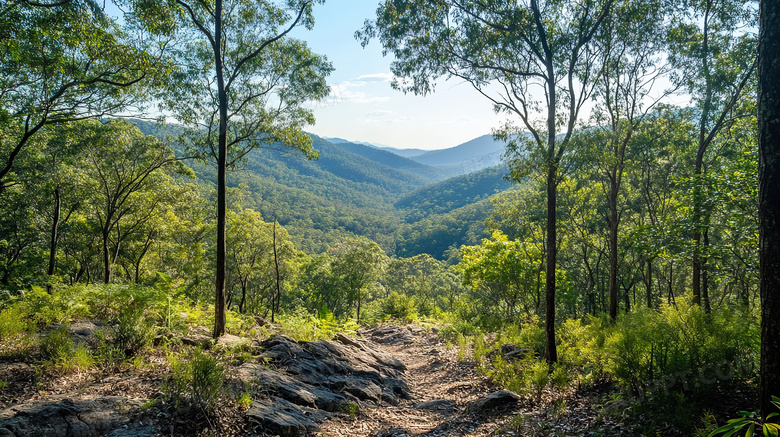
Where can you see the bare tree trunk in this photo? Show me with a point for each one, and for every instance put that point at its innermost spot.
(649, 283)
(769, 199)
(54, 229)
(106, 258)
(705, 277)
(551, 351)
(613, 248)
(278, 293)
(219, 298)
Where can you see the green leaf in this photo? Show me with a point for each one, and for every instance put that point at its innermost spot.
(733, 425)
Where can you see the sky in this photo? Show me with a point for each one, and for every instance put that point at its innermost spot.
(362, 105)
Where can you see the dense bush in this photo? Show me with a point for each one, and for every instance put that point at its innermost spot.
(399, 306)
(196, 381)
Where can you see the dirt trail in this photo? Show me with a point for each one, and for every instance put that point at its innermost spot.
(441, 387)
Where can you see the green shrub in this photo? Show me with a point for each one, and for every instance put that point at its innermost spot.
(12, 322)
(648, 349)
(132, 334)
(399, 306)
(464, 348)
(196, 381)
(537, 377)
(62, 353)
(560, 377)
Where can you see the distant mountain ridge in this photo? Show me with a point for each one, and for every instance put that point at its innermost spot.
(393, 160)
(406, 206)
(474, 155)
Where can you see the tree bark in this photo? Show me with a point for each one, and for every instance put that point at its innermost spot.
(106, 257)
(769, 199)
(54, 229)
(613, 248)
(649, 283)
(551, 351)
(278, 293)
(219, 300)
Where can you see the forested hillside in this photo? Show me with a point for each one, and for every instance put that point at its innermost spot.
(454, 193)
(394, 160)
(343, 193)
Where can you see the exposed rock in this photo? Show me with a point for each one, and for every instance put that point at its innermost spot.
(345, 339)
(231, 341)
(438, 404)
(286, 387)
(81, 331)
(260, 321)
(89, 416)
(494, 400)
(280, 417)
(518, 354)
(199, 340)
(415, 329)
(391, 334)
(199, 330)
(86, 328)
(140, 431)
(353, 371)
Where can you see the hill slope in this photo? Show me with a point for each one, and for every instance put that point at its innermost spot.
(470, 156)
(454, 193)
(393, 160)
(354, 189)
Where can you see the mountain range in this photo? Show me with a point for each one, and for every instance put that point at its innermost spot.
(409, 205)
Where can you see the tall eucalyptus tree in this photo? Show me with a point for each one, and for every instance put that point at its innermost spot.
(769, 200)
(533, 59)
(243, 84)
(715, 51)
(631, 44)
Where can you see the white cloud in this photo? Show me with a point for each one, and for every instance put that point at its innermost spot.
(345, 92)
(376, 77)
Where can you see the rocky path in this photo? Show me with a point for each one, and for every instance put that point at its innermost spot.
(389, 381)
(448, 396)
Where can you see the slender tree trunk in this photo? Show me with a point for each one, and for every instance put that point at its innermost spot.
(649, 283)
(241, 307)
(219, 300)
(551, 351)
(705, 277)
(613, 248)
(697, 189)
(106, 258)
(54, 229)
(769, 199)
(627, 299)
(278, 293)
(670, 298)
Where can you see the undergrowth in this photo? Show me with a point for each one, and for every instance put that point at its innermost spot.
(671, 360)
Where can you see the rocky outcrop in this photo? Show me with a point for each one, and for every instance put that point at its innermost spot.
(309, 381)
(391, 334)
(497, 399)
(65, 417)
(301, 384)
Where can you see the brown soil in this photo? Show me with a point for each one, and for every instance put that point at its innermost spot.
(433, 372)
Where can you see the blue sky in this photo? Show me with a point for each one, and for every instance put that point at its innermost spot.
(363, 106)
